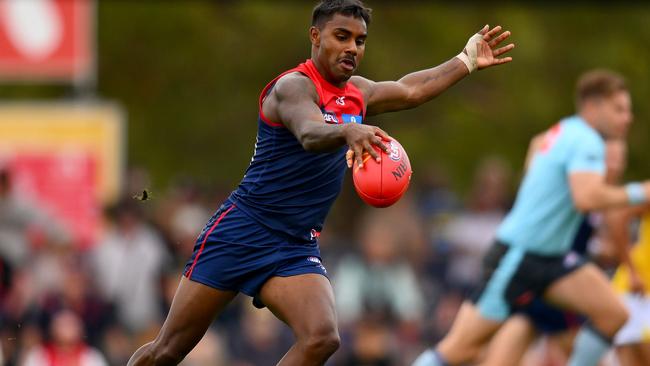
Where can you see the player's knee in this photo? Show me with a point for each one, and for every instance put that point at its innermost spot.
(621, 315)
(613, 320)
(323, 342)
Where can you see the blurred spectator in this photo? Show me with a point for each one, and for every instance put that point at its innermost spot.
(23, 226)
(437, 203)
(117, 344)
(472, 231)
(259, 338)
(18, 316)
(181, 215)
(76, 295)
(443, 316)
(209, 351)
(128, 263)
(379, 279)
(5, 278)
(66, 346)
(373, 344)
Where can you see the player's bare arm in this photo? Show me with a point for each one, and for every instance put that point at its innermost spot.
(590, 192)
(534, 146)
(482, 51)
(293, 102)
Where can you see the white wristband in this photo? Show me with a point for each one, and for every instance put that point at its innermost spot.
(470, 53)
(463, 57)
(635, 193)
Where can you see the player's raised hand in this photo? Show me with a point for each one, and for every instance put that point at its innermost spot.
(483, 49)
(488, 50)
(360, 139)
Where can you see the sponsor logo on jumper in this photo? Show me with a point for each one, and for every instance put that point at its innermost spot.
(330, 117)
(352, 118)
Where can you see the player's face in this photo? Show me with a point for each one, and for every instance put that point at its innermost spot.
(340, 44)
(615, 114)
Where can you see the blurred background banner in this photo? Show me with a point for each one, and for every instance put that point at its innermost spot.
(47, 40)
(65, 158)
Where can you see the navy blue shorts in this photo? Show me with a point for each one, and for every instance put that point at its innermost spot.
(235, 253)
(549, 319)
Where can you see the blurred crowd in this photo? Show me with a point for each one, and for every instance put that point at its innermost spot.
(399, 276)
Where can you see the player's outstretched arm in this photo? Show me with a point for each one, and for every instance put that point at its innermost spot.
(590, 192)
(293, 102)
(482, 51)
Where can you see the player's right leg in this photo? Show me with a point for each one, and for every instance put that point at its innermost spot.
(587, 291)
(305, 302)
(193, 309)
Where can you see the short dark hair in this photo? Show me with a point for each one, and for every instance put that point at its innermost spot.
(326, 9)
(599, 83)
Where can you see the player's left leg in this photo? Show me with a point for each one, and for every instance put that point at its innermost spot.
(479, 319)
(194, 307)
(465, 340)
(511, 342)
(306, 303)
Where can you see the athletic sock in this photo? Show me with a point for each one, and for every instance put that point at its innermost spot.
(589, 347)
(430, 358)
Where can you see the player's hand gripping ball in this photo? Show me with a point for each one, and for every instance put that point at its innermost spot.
(381, 184)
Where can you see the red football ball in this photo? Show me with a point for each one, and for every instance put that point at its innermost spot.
(383, 183)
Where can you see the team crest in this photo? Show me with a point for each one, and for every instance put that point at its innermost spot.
(395, 154)
(340, 100)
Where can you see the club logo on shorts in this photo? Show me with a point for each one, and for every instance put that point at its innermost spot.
(571, 259)
(340, 100)
(317, 261)
(525, 298)
(395, 154)
(315, 234)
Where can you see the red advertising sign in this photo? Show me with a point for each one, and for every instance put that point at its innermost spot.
(64, 186)
(46, 40)
(65, 160)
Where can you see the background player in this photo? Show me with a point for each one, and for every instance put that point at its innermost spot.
(558, 326)
(529, 259)
(263, 239)
(633, 340)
